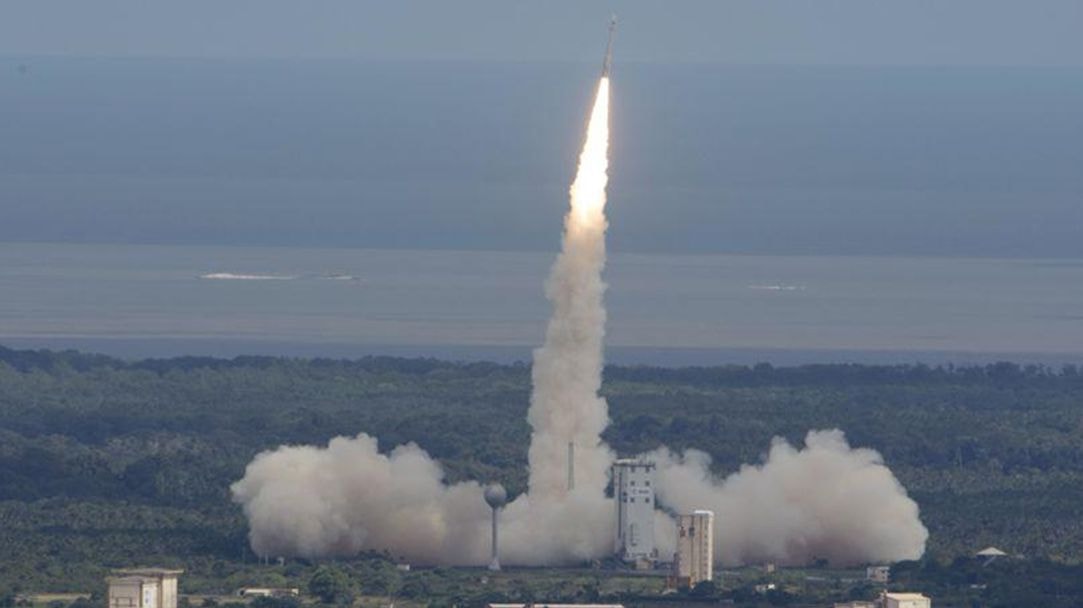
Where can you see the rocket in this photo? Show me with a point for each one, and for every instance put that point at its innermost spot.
(609, 47)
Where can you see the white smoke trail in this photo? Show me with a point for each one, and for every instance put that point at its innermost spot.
(565, 407)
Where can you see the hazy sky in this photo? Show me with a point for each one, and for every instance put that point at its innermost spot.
(954, 127)
(867, 32)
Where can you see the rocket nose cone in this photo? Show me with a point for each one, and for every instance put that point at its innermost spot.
(609, 48)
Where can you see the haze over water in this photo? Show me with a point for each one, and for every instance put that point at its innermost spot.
(167, 300)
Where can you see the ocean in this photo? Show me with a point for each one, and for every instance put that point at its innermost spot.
(153, 300)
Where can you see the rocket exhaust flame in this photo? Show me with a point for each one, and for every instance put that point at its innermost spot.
(800, 503)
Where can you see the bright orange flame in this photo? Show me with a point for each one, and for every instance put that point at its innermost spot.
(588, 189)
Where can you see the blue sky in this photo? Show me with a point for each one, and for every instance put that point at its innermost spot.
(831, 127)
(835, 32)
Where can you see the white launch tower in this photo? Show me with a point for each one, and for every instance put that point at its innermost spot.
(633, 493)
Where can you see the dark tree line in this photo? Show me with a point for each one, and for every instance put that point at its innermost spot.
(105, 462)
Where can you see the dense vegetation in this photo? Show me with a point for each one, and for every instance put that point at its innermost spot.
(107, 463)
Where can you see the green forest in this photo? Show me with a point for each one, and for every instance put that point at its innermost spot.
(107, 463)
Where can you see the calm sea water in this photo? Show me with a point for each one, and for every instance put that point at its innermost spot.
(163, 300)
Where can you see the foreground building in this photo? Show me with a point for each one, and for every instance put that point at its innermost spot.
(905, 600)
(633, 493)
(694, 561)
(143, 588)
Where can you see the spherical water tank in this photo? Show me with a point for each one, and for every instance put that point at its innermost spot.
(496, 496)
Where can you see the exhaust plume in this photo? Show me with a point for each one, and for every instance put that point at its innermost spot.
(826, 500)
(565, 408)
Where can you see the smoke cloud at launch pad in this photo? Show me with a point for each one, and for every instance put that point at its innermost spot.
(824, 499)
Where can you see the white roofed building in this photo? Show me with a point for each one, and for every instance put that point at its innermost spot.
(905, 600)
(143, 588)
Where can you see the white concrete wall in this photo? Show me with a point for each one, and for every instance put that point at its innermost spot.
(695, 550)
(125, 595)
(151, 595)
(169, 592)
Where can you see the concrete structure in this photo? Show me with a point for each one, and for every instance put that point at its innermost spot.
(878, 574)
(905, 600)
(694, 561)
(143, 588)
(633, 493)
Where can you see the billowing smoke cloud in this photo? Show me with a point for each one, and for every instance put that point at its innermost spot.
(823, 501)
(826, 500)
(347, 497)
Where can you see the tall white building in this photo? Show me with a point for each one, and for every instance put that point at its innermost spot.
(143, 588)
(633, 493)
(695, 550)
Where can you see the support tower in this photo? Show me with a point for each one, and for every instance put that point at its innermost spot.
(633, 493)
